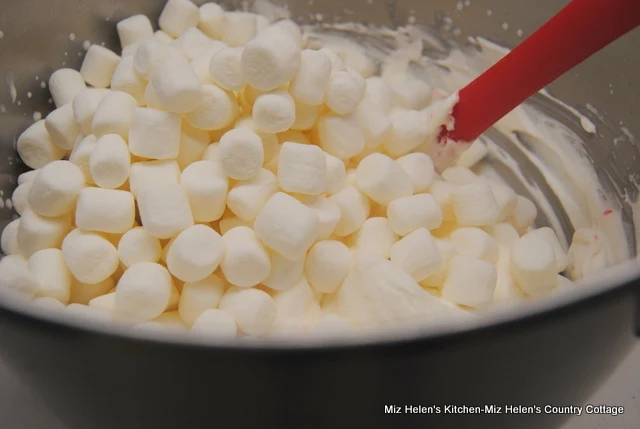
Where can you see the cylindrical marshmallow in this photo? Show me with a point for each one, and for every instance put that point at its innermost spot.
(354, 208)
(285, 273)
(408, 131)
(336, 174)
(218, 109)
(55, 189)
(302, 168)
(291, 28)
(253, 310)
(374, 123)
(52, 275)
(211, 20)
(551, 238)
(37, 233)
(441, 192)
(192, 43)
(216, 324)
(228, 223)
(15, 276)
(473, 154)
(241, 154)
(149, 55)
(126, 79)
(327, 265)
(420, 169)
(27, 176)
(64, 85)
(330, 326)
(81, 154)
(226, 69)
(238, 28)
(113, 114)
(136, 246)
(470, 282)
(293, 136)
(533, 264)
(409, 213)
(195, 253)
(171, 321)
(306, 117)
(523, 215)
(193, 143)
(134, 29)
(10, 238)
(506, 198)
(340, 136)
(98, 66)
(459, 175)
(36, 148)
(90, 257)
(344, 92)
(177, 86)
(152, 172)
(410, 92)
(82, 293)
(296, 309)
(110, 161)
(20, 197)
(85, 105)
(379, 93)
(474, 205)
(62, 127)
(328, 213)
(376, 235)
(382, 180)
(246, 198)
(274, 112)
(197, 297)
(310, 83)
(143, 292)
(206, 188)
(154, 134)
(417, 254)
(105, 210)
(164, 209)
(177, 16)
(246, 262)
(504, 233)
(50, 304)
(475, 242)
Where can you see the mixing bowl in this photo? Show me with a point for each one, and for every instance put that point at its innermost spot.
(555, 351)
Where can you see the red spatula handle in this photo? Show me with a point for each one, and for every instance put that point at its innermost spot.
(579, 30)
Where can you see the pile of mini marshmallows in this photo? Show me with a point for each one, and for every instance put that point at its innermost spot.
(219, 178)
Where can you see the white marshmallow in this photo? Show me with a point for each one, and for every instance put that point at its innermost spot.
(253, 310)
(211, 20)
(310, 82)
(206, 188)
(340, 136)
(375, 235)
(271, 59)
(90, 257)
(85, 105)
(201, 63)
(533, 264)
(354, 210)
(238, 28)
(105, 302)
(523, 215)
(504, 233)
(285, 273)
(84, 313)
(193, 143)
(215, 323)
(153, 172)
(262, 22)
(270, 144)
(177, 16)
(328, 213)
(241, 154)
(375, 124)
(163, 37)
(353, 57)
(134, 29)
(15, 276)
(55, 189)
(62, 127)
(113, 114)
(420, 169)
(331, 325)
(470, 282)
(48, 303)
(564, 285)
(136, 246)
(327, 265)
(287, 226)
(382, 180)
(98, 66)
(51, 273)
(27, 176)
(154, 134)
(211, 154)
(291, 28)
(171, 321)
(336, 174)
(192, 43)
(151, 98)
(293, 136)
(344, 92)
(475, 242)
(149, 55)
(306, 117)
(274, 112)
(36, 148)
(20, 197)
(379, 93)
(441, 192)
(296, 309)
(37, 233)
(195, 253)
(473, 154)
(226, 69)
(228, 223)
(218, 109)
(507, 290)
(246, 198)
(446, 251)
(417, 254)
(410, 92)
(126, 79)
(10, 238)
(246, 262)
(459, 175)
(177, 85)
(302, 169)
(410, 213)
(164, 209)
(474, 205)
(336, 62)
(506, 199)
(110, 161)
(549, 235)
(143, 292)
(105, 210)
(408, 131)
(64, 85)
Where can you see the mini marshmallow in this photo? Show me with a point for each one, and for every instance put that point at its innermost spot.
(177, 16)
(81, 154)
(328, 213)
(270, 144)
(55, 189)
(408, 131)
(16, 277)
(27, 176)
(287, 226)
(271, 59)
(215, 323)
(48, 303)
(285, 273)
(151, 98)
(201, 63)
(136, 246)
(211, 20)
(193, 144)
(382, 180)
(441, 192)
(113, 114)
(336, 174)
(105, 302)
(164, 209)
(417, 254)
(85, 105)
(327, 265)
(473, 154)
(228, 223)
(410, 92)
(253, 310)
(470, 282)
(90, 257)
(291, 28)
(375, 124)
(241, 154)
(310, 82)
(246, 262)
(344, 92)
(504, 233)
(246, 198)
(506, 199)
(37, 233)
(98, 66)
(459, 175)
(62, 127)
(226, 69)
(379, 93)
(9, 241)
(447, 251)
(410, 213)
(134, 29)
(217, 111)
(154, 134)
(306, 117)
(211, 154)
(340, 136)
(262, 22)
(177, 86)
(354, 210)
(533, 264)
(149, 55)
(126, 79)
(84, 313)
(523, 215)
(143, 292)
(420, 169)
(110, 161)
(375, 235)
(195, 253)
(474, 205)
(153, 172)
(549, 235)
(51, 273)
(292, 136)
(507, 290)
(192, 43)
(336, 62)
(65, 85)
(206, 188)
(105, 210)
(274, 112)
(171, 321)
(238, 28)
(564, 285)
(353, 57)
(296, 309)
(36, 148)
(331, 325)
(302, 169)
(20, 197)
(163, 37)
(475, 242)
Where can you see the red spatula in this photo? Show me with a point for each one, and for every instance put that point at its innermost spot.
(578, 31)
